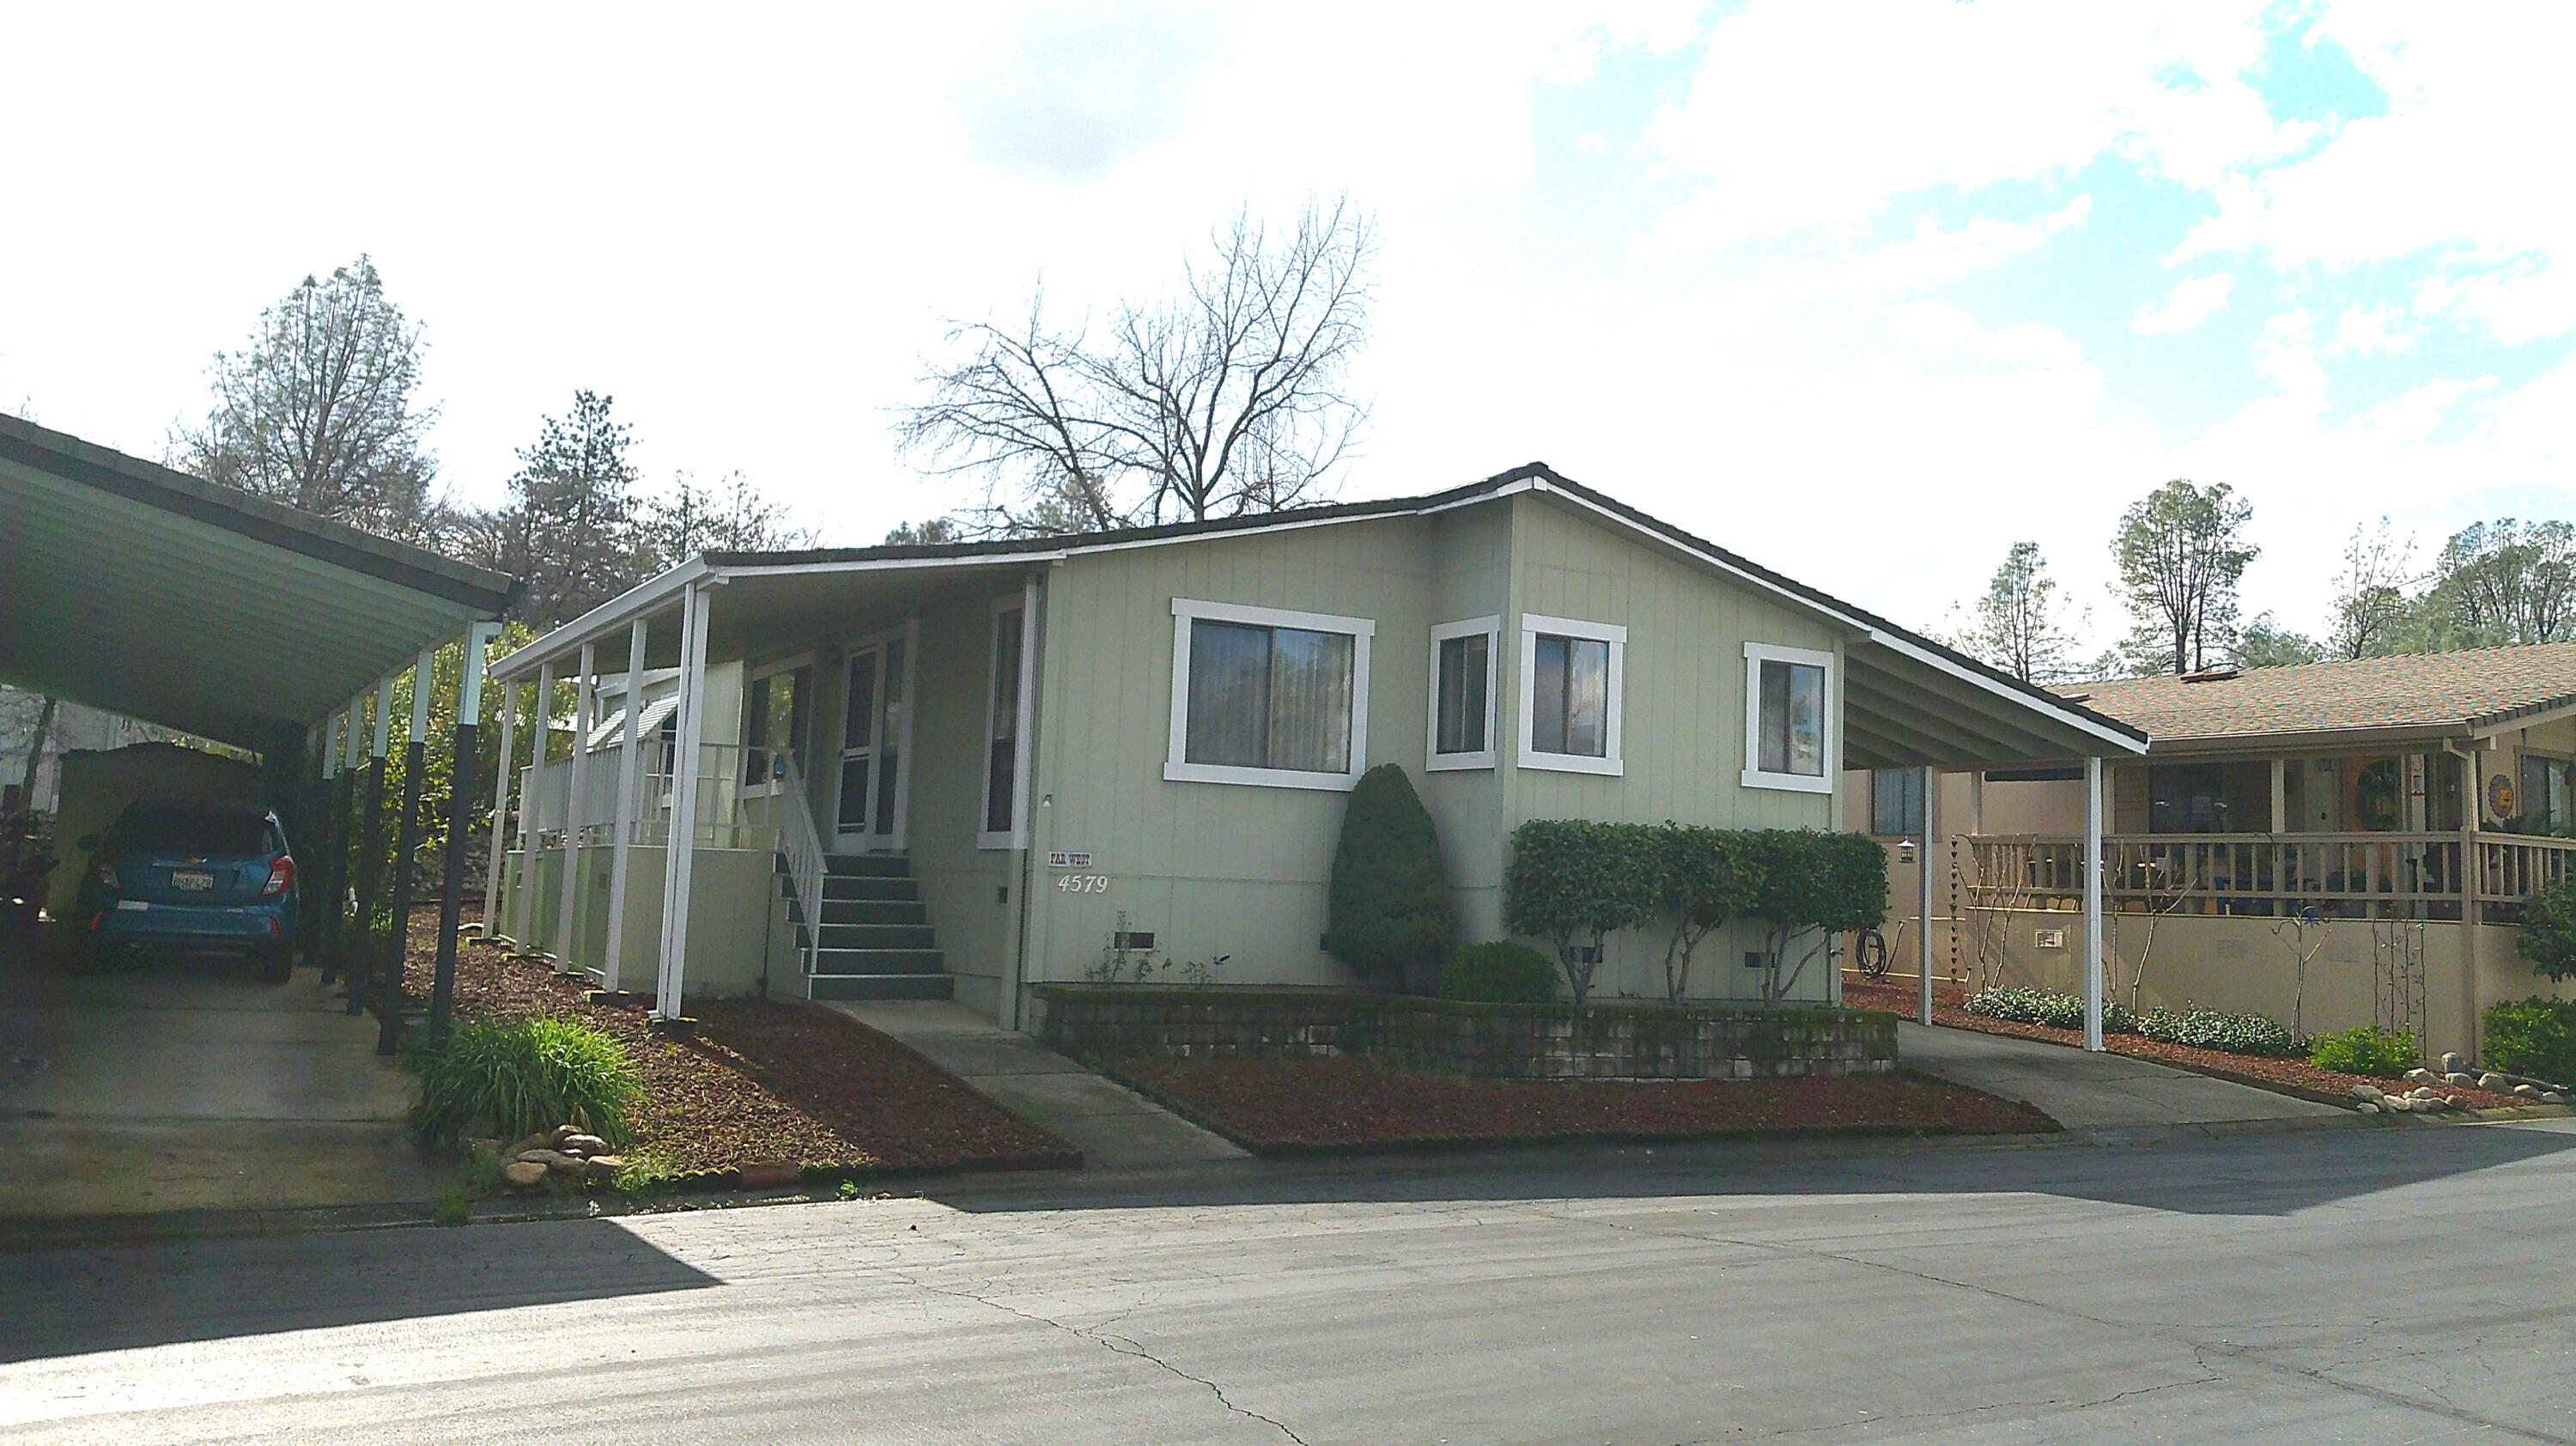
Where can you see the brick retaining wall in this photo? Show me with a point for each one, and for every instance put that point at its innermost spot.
(1491, 1041)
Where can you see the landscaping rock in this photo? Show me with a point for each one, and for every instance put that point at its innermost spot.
(565, 1132)
(2419, 1076)
(542, 1140)
(2552, 1097)
(2493, 1081)
(604, 1167)
(547, 1158)
(582, 1145)
(569, 1165)
(2367, 1108)
(2529, 1092)
(2398, 1105)
(2460, 1079)
(2365, 1092)
(2453, 1062)
(523, 1174)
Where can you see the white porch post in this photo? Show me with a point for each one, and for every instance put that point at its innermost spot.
(500, 848)
(584, 697)
(541, 731)
(1923, 889)
(2093, 904)
(680, 857)
(622, 840)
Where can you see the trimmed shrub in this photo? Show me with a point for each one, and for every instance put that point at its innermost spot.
(1389, 899)
(2548, 934)
(1805, 883)
(2219, 1030)
(1573, 879)
(1498, 973)
(2047, 1007)
(2535, 1037)
(1704, 885)
(522, 1076)
(2368, 1050)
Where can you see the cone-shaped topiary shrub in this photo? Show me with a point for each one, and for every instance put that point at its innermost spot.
(1390, 899)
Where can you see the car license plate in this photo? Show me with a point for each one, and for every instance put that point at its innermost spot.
(191, 881)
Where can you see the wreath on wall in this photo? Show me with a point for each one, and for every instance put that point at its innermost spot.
(2376, 795)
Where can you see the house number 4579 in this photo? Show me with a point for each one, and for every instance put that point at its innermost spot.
(1083, 883)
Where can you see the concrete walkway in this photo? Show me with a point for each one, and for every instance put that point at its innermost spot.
(2090, 1091)
(1113, 1126)
(190, 1085)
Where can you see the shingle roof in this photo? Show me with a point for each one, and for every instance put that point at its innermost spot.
(2427, 691)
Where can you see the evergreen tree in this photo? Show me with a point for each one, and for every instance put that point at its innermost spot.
(2182, 552)
(2019, 625)
(569, 532)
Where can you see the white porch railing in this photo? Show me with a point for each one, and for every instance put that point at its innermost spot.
(729, 815)
(801, 845)
(2375, 874)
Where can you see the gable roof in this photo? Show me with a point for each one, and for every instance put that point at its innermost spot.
(2429, 694)
(2069, 721)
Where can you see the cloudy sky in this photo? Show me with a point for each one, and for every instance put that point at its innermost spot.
(1863, 291)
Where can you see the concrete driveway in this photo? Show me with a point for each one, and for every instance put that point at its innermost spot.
(2091, 1091)
(190, 1084)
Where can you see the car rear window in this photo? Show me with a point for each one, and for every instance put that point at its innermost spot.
(194, 831)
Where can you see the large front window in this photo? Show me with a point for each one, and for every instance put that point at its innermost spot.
(1788, 733)
(1267, 696)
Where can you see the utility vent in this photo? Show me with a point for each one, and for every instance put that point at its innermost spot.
(1756, 959)
(2210, 675)
(1584, 953)
(2077, 697)
(2048, 939)
(1132, 939)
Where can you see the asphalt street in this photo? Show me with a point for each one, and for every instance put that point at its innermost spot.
(2347, 1285)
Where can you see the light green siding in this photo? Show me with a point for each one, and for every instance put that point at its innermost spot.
(1241, 870)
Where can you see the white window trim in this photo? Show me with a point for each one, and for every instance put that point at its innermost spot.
(1176, 765)
(1492, 630)
(1755, 655)
(742, 731)
(1533, 624)
(1017, 835)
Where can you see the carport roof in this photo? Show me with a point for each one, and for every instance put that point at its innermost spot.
(128, 586)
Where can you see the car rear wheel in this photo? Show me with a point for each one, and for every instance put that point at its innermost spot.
(277, 965)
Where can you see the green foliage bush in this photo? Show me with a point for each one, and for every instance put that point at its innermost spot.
(2548, 934)
(1704, 886)
(2219, 1030)
(2368, 1050)
(525, 1075)
(1572, 879)
(1499, 973)
(2048, 1007)
(2535, 1037)
(1389, 899)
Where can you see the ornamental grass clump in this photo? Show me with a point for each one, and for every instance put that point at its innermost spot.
(2370, 1050)
(521, 1076)
(1499, 973)
(2216, 1029)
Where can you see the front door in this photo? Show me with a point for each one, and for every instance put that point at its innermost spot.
(869, 816)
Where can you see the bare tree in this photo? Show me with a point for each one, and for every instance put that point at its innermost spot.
(1230, 398)
(2372, 592)
(731, 516)
(2020, 623)
(320, 411)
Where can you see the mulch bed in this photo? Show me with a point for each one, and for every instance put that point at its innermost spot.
(2286, 1076)
(1341, 1105)
(765, 1083)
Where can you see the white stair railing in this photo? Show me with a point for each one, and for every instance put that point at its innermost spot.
(801, 845)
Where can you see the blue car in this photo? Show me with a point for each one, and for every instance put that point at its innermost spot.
(191, 879)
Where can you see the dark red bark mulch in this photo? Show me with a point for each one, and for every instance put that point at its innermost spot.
(2282, 1076)
(766, 1083)
(1347, 1104)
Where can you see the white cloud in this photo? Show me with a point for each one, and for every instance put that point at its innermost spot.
(2373, 331)
(1804, 117)
(2195, 300)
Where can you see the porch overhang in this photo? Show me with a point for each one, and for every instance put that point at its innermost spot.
(1906, 705)
(130, 587)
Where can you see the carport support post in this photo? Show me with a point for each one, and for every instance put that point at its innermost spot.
(331, 801)
(368, 955)
(1923, 890)
(540, 731)
(460, 819)
(620, 842)
(2093, 904)
(424, 680)
(500, 849)
(585, 697)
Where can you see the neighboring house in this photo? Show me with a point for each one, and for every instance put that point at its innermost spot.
(1017, 761)
(2400, 807)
